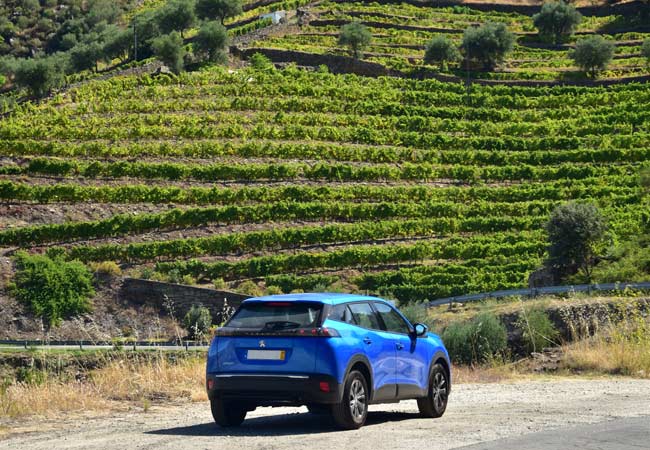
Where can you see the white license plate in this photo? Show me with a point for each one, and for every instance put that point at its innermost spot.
(273, 355)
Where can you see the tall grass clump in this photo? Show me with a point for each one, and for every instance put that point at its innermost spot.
(537, 330)
(476, 341)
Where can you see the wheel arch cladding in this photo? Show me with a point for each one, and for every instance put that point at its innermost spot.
(361, 364)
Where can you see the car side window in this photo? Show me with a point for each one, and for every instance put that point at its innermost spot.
(392, 320)
(364, 316)
(341, 313)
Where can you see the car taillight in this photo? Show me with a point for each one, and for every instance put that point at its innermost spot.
(320, 331)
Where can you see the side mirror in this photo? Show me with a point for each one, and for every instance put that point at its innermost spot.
(421, 329)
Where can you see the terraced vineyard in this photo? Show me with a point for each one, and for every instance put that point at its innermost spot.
(401, 31)
(413, 189)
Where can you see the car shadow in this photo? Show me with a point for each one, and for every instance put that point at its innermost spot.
(280, 425)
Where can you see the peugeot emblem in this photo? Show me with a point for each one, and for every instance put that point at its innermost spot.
(262, 344)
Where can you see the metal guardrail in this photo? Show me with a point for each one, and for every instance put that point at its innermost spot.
(85, 344)
(536, 292)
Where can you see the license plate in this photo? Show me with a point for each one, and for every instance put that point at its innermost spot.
(273, 355)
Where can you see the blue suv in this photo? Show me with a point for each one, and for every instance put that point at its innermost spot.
(335, 353)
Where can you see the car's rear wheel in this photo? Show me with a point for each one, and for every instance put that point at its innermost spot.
(351, 412)
(435, 403)
(227, 413)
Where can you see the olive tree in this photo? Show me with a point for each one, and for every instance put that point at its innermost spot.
(211, 41)
(218, 9)
(356, 37)
(575, 233)
(557, 20)
(441, 50)
(593, 53)
(38, 75)
(169, 49)
(176, 15)
(487, 44)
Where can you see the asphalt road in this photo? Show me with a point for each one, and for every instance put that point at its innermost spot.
(611, 414)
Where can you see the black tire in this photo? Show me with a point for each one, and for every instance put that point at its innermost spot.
(226, 414)
(435, 403)
(351, 412)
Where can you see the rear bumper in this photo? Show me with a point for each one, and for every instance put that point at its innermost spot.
(272, 389)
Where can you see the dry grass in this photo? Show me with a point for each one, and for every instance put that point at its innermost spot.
(49, 398)
(601, 356)
(137, 382)
(154, 379)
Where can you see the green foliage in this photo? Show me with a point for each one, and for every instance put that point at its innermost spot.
(416, 312)
(476, 341)
(86, 56)
(30, 375)
(53, 288)
(441, 50)
(249, 288)
(487, 44)
(593, 53)
(212, 42)
(118, 45)
(260, 62)
(272, 290)
(109, 268)
(557, 20)
(176, 15)
(576, 232)
(219, 284)
(628, 261)
(356, 37)
(39, 75)
(537, 330)
(218, 9)
(170, 50)
(197, 322)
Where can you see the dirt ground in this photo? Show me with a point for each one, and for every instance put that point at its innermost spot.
(477, 413)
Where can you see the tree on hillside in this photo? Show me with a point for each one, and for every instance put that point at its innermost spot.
(212, 41)
(593, 53)
(169, 49)
(441, 50)
(146, 29)
(85, 56)
(356, 37)
(52, 288)
(38, 75)
(487, 44)
(557, 20)
(176, 15)
(645, 50)
(118, 45)
(218, 9)
(575, 233)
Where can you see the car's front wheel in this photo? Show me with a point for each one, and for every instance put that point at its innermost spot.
(227, 413)
(435, 403)
(351, 412)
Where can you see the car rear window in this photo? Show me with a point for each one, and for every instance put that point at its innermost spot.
(276, 315)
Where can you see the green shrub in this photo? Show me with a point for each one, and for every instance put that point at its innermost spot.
(475, 341)
(212, 41)
(593, 53)
(416, 313)
(273, 290)
(249, 288)
(106, 268)
(260, 62)
(169, 49)
(219, 284)
(188, 279)
(53, 288)
(197, 321)
(29, 375)
(440, 50)
(218, 9)
(537, 330)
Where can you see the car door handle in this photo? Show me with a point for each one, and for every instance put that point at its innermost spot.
(367, 341)
(399, 345)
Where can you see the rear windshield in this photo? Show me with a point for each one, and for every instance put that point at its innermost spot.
(276, 315)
